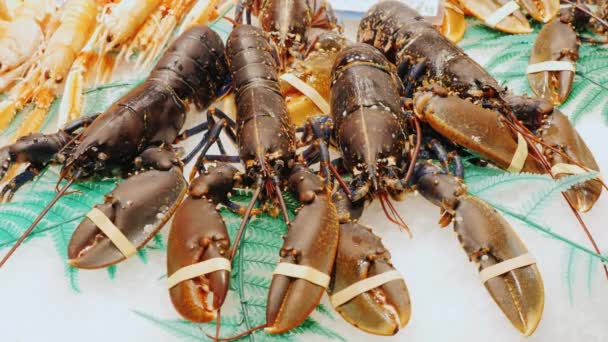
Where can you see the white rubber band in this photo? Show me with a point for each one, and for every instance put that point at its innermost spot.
(506, 10)
(569, 169)
(198, 269)
(520, 156)
(506, 266)
(363, 286)
(308, 91)
(303, 272)
(112, 232)
(452, 7)
(550, 66)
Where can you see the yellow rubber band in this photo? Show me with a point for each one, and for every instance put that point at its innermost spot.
(520, 156)
(308, 91)
(363, 286)
(550, 66)
(506, 266)
(112, 232)
(198, 269)
(303, 272)
(506, 10)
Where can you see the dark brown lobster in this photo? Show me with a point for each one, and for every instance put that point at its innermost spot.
(371, 132)
(424, 56)
(133, 139)
(267, 147)
(288, 22)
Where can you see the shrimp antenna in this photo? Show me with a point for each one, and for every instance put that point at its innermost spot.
(27, 232)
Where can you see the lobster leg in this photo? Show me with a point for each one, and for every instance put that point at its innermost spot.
(198, 234)
(9, 190)
(488, 239)
(311, 241)
(138, 207)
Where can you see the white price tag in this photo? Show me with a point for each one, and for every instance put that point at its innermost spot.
(432, 10)
(426, 8)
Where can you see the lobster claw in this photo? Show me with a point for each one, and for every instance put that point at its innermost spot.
(561, 134)
(519, 293)
(198, 234)
(516, 22)
(311, 241)
(190, 242)
(488, 239)
(541, 10)
(138, 207)
(556, 41)
(361, 255)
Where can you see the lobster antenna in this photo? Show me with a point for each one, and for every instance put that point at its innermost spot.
(586, 230)
(277, 189)
(391, 213)
(27, 232)
(415, 153)
(243, 334)
(340, 180)
(246, 218)
(218, 323)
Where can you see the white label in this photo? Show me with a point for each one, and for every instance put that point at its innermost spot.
(427, 8)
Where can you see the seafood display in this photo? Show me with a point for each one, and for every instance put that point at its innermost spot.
(319, 123)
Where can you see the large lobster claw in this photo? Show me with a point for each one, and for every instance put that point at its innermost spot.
(198, 234)
(541, 10)
(515, 22)
(556, 41)
(488, 239)
(481, 130)
(361, 255)
(138, 207)
(311, 241)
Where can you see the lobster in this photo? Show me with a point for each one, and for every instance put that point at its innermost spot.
(132, 139)
(266, 144)
(555, 83)
(288, 22)
(424, 56)
(371, 131)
